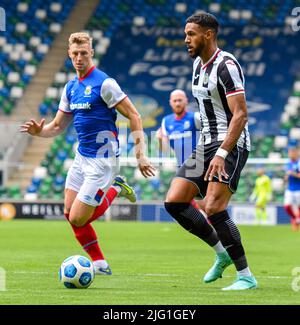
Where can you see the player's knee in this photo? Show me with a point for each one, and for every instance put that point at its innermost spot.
(76, 221)
(67, 211)
(170, 198)
(215, 204)
(212, 206)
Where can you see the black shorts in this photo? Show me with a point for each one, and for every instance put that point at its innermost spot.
(195, 167)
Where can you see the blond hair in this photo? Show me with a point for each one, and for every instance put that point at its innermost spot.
(80, 38)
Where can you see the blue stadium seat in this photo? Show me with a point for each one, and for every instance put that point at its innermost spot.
(36, 182)
(31, 189)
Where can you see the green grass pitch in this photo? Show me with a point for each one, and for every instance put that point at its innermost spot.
(152, 263)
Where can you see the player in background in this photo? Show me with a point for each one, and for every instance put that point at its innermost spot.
(214, 168)
(261, 195)
(90, 101)
(292, 192)
(179, 130)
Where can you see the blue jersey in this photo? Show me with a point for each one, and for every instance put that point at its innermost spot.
(183, 133)
(293, 182)
(91, 101)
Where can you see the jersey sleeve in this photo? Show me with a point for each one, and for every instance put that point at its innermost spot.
(231, 78)
(163, 128)
(197, 120)
(64, 104)
(111, 92)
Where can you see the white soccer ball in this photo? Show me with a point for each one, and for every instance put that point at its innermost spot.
(76, 272)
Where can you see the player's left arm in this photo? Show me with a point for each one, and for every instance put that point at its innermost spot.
(231, 78)
(291, 172)
(114, 97)
(238, 107)
(127, 109)
(294, 174)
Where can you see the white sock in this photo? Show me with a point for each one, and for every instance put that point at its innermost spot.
(219, 248)
(244, 272)
(101, 263)
(117, 188)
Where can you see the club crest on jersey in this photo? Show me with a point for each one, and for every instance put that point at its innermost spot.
(186, 125)
(88, 91)
(206, 78)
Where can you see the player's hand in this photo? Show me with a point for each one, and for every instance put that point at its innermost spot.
(145, 167)
(216, 168)
(32, 127)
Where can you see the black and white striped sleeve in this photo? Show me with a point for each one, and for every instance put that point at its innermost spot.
(231, 77)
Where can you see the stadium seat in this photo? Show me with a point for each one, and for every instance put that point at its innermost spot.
(61, 155)
(31, 189)
(14, 192)
(36, 182)
(295, 133)
(3, 191)
(40, 172)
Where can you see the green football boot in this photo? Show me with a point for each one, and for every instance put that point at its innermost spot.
(126, 190)
(243, 283)
(223, 260)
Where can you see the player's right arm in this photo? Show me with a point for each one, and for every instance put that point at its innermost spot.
(61, 120)
(52, 129)
(162, 137)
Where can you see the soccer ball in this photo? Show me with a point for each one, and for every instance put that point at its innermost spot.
(76, 272)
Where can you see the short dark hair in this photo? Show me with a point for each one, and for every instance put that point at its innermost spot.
(205, 20)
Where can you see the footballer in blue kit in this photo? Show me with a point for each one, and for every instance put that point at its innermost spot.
(180, 129)
(85, 98)
(91, 101)
(292, 192)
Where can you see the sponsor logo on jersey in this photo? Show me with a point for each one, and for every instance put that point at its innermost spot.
(86, 105)
(185, 134)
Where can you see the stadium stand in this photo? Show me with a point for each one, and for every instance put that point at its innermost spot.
(31, 28)
(145, 40)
